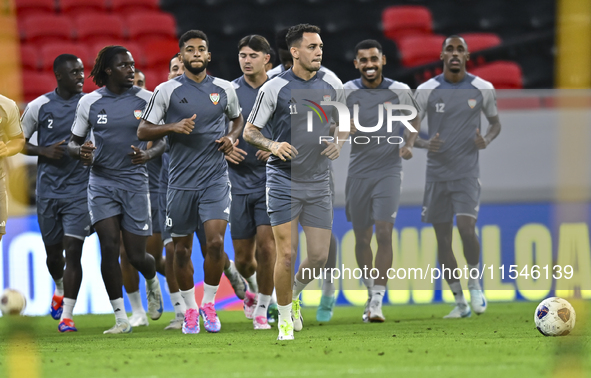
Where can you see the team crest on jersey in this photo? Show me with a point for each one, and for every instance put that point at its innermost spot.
(326, 98)
(214, 97)
(471, 103)
(137, 114)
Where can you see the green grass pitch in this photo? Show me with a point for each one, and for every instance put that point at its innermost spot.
(414, 342)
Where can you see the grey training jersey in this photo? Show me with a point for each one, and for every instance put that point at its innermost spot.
(52, 117)
(195, 162)
(249, 176)
(377, 158)
(283, 103)
(114, 120)
(453, 111)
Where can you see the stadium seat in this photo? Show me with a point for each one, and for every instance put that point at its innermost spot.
(154, 78)
(74, 8)
(51, 51)
(481, 41)
(157, 54)
(43, 29)
(418, 50)
(94, 27)
(29, 57)
(133, 6)
(89, 85)
(150, 27)
(503, 75)
(401, 21)
(37, 83)
(26, 8)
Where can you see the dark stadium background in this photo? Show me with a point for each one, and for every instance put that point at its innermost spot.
(512, 42)
(525, 27)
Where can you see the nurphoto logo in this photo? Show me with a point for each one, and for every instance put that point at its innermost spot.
(394, 113)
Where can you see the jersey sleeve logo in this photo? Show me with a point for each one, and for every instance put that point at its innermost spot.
(214, 97)
(326, 98)
(471, 103)
(137, 114)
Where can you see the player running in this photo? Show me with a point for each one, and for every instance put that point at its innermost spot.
(250, 225)
(193, 108)
(375, 169)
(62, 205)
(285, 57)
(452, 102)
(12, 142)
(298, 190)
(118, 197)
(176, 69)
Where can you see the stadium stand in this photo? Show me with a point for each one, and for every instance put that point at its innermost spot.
(74, 8)
(25, 8)
(37, 83)
(403, 21)
(503, 75)
(506, 31)
(85, 27)
(146, 28)
(91, 28)
(44, 28)
(416, 50)
(131, 6)
(481, 41)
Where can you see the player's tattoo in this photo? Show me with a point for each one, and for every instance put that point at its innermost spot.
(254, 136)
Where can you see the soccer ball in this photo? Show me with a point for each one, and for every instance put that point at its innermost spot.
(555, 317)
(12, 302)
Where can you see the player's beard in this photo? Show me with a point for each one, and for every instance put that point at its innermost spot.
(196, 70)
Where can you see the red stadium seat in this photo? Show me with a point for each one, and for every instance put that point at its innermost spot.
(401, 21)
(481, 41)
(157, 54)
(29, 57)
(418, 50)
(154, 78)
(43, 29)
(75, 8)
(25, 8)
(51, 51)
(136, 50)
(503, 75)
(94, 27)
(89, 85)
(151, 26)
(132, 6)
(36, 83)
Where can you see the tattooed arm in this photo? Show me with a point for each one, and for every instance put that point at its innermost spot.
(282, 150)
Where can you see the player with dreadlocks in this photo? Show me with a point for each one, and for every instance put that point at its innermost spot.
(118, 195)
